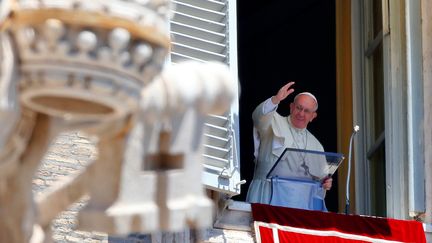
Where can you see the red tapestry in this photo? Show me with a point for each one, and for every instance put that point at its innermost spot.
(281, 224)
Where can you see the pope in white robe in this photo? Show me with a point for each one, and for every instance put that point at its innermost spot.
(273, 133)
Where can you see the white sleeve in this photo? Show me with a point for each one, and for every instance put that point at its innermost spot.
(269, 106)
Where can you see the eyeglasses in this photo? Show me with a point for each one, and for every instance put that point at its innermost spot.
(300, 108)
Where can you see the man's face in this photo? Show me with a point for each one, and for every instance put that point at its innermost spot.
(302, 111)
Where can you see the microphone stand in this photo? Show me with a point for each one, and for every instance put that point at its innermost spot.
(347, 201)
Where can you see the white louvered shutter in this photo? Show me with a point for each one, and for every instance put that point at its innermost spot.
(205, 30)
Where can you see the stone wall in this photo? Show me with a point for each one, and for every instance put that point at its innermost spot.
(69, 154)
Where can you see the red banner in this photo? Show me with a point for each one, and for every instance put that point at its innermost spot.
(281, 224)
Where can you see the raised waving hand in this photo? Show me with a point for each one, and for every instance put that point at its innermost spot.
(283, 93)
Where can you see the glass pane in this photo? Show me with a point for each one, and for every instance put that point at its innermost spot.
(377, 16)
(378, 181)
(377, 162)
(378, 91)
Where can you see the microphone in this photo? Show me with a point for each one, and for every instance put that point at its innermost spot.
(347, 201)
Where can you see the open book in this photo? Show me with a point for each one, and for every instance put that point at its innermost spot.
(305, 164)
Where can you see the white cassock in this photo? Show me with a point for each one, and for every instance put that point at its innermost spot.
(272, 134)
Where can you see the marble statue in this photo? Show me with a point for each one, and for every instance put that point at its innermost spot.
(100, 67)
